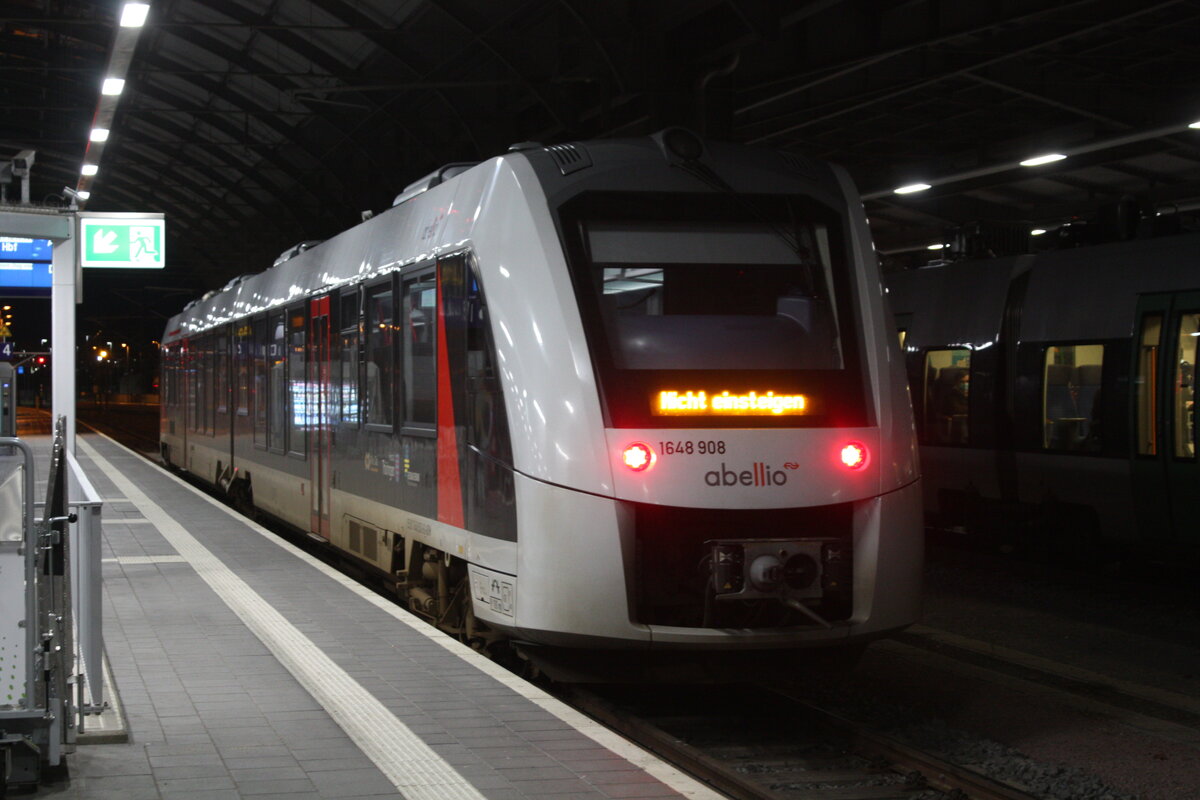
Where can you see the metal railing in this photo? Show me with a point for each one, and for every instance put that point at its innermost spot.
(51, 641)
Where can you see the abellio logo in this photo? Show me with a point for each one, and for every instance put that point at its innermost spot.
(760, 474)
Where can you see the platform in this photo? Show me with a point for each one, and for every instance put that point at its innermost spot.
(247, 668)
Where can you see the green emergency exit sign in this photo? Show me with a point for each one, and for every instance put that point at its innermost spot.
(122, 242)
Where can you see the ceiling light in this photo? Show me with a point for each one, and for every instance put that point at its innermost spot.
(99, 135)
(935, 247)
(89, 169)
(1195, 124)
(912, 187)
(1039, 160)
(113, 86)
(133, 15)
(1037, 231)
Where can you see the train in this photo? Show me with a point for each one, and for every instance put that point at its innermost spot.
(1054, 398)
(625, 396)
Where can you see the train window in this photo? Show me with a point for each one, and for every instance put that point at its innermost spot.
(195, 383)
(259, 331)
(347, 377)
(221, 375)
(1071, 397)
(947, 389)
(1147, 385)
(241, 361)
(298, 405)
(380, 340)
(660, 310)
(277, 382)
(1183, 404)
(420, 336)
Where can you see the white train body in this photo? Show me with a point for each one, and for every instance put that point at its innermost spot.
(561, 295)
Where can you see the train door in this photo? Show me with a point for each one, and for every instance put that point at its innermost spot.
(317, 390)
(1166, 473)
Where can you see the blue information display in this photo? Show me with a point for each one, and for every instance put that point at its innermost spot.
(24, 278)
(14, 248)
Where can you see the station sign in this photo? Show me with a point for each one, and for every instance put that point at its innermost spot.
(20, 248)
(122, 241)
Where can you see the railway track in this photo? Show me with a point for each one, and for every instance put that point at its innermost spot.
(753, 743)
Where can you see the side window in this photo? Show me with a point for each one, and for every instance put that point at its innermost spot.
(379, 359)
(1183, 406)
(419, 329)
(241, 360)
(259, 331)
(277, 382)
(297, 386)
(946, 392)
(1147, 383)
(347, 377)
(1071, 397)
(193, 358)
(207, 407)
(221, 374)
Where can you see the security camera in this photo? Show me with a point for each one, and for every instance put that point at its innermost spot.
(71, 193)
(22, 162)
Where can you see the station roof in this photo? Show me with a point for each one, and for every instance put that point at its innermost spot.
(256, 124)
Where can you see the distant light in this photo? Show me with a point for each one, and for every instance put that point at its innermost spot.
(89, 169)
(133, 15)
(99, 135)
(912, 187)
(1195, 124)
(935, 247)
(1037, 161)
(1037, 231)
(113, 86)
(84, 195)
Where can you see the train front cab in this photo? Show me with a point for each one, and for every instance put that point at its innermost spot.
(758, 434)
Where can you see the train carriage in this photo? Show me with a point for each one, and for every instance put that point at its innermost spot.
(632, 394)
(1077, 434)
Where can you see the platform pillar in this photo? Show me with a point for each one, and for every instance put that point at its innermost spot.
(63, 297)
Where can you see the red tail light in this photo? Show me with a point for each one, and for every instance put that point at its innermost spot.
(638, 457)
(854, 455)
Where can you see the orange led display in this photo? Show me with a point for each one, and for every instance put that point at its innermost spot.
(726, 403)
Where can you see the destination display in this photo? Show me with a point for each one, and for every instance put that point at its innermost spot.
(16, 248)
(699, 403)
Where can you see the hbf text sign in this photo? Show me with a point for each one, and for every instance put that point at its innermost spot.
(122, 241)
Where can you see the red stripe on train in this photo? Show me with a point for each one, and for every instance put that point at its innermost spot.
(449, 482)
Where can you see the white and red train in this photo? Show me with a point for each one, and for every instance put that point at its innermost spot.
(626, 394)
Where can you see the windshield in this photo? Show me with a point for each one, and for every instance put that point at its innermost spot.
(678, 295)
(691, 301)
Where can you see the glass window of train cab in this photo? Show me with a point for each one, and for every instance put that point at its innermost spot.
(346, 378)
(1147, 385)
(946, 395)
(241, 361)
(258, 330)
(277, 382)
(420, 335)
(380, 357)
(1071, 402)
(298, 406)
(1183, 404)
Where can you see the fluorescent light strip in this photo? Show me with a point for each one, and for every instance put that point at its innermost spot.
(89, 169)
(113, 86)
(912, 187)
(99, 135)
(1037, 161)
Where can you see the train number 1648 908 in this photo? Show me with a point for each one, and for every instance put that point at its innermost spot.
(703, 447)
